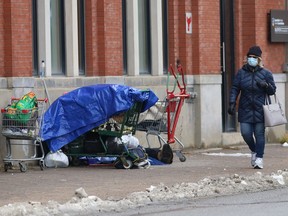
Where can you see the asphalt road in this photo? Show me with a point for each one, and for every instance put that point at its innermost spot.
(265, 203)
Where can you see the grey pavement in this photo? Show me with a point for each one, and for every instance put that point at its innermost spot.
(106, 182)
(262, 203)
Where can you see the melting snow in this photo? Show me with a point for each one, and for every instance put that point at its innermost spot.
(83, 204)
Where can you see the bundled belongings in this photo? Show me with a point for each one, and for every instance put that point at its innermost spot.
(105, 112)
(95, 104)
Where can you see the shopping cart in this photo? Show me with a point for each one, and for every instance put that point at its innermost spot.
(21, 127)
(164, 115)
(105, 141)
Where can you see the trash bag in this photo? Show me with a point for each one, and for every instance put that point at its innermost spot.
(57, 159)
(130, 141)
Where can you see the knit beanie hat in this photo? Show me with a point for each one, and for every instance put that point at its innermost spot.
(255, 50)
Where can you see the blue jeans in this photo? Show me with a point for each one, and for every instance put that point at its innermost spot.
(254, 135)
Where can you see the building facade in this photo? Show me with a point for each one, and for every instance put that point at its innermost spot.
(133, 42)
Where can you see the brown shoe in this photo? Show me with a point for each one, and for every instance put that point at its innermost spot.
(166, 154)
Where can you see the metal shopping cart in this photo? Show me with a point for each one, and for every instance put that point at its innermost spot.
(162, 118)
(105, 141)
(21, 127)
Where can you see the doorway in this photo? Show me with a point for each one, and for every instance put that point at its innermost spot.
(227, 60)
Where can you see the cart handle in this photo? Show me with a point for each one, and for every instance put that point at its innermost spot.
(168, 81)
(180, 71)
(24, 111)
(38, 99)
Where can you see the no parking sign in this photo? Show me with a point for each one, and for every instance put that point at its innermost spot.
(188, 21)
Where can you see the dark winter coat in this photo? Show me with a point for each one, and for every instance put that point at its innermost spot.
(252, 96)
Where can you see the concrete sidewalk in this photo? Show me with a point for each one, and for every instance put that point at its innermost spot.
(107, 182)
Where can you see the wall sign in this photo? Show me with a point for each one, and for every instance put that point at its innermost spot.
(279, 26)
(188, 21)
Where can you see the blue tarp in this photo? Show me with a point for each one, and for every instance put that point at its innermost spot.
(85, 108)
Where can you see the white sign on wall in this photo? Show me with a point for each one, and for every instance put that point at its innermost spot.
(188, 21)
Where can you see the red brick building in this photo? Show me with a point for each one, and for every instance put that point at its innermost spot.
(133, 42)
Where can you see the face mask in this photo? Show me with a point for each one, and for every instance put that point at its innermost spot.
(252, 61)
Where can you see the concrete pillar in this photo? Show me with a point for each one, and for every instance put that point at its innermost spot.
(44, 35)
(71, 34)
(208, 111)
(156, 37)
(132, 38)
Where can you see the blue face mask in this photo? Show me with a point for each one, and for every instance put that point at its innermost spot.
(252, 61)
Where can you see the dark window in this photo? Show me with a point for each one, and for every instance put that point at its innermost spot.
(165, 35)
(35, 38)
(81, 36)
(124, 37)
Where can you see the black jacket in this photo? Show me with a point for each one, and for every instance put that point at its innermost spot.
(252, 97)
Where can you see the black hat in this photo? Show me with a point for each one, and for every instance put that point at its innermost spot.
(255, 50)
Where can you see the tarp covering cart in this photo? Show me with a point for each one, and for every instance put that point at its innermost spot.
(87, 108)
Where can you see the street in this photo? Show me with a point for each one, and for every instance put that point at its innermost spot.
(265, 203)
(205, 184)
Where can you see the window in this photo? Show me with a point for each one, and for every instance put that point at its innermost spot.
(81, 36)
(124, 36)
(142, 38)
(165, 35)
(35, 38)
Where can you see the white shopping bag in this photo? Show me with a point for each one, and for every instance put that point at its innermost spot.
(56, 159)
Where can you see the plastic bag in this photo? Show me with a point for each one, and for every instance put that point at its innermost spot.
(28, 102)
(57, 159)
(130, 141)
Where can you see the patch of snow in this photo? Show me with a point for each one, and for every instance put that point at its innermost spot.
(229, 155)
(83, 204)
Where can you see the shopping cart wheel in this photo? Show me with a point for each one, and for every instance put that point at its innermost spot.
(127, 164)
(42, 164)
(23, 167)
(7, 166)
(182, 158)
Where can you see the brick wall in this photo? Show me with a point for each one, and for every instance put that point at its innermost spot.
(1, 39)
(104, 54)
(252, 27)
(16, 38)
(273, 53)
(199, 52)
(180, 43)
(208, 37)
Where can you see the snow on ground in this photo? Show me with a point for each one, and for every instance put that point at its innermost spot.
(83, 204)
(229, 155)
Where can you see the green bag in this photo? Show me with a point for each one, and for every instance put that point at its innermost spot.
(26, 107)
(23, 110)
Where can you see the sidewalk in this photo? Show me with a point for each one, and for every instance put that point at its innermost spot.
(107, 182)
